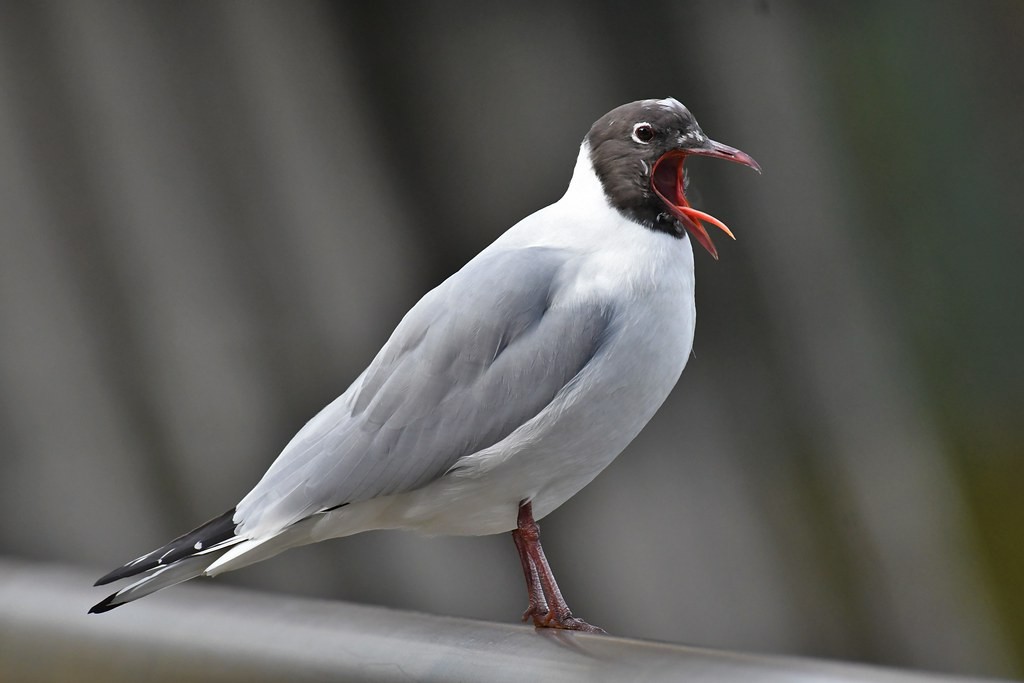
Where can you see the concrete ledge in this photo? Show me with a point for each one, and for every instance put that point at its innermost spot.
(211, 633)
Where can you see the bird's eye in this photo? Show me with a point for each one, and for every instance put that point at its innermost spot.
(643, 133)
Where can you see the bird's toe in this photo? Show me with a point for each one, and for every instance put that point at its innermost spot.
(565, 622)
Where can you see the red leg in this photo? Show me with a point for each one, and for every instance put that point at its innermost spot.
(535, 592)
(549, 609)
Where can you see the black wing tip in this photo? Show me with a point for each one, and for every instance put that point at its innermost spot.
(105, 605)
(216, 530)
(119, 573)
(133, 568)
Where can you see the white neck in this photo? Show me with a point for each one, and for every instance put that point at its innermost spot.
(584, 221)
(585, 187)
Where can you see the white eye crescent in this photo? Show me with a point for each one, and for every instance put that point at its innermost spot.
(643, 133)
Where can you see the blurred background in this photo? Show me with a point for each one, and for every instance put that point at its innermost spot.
(213, 214)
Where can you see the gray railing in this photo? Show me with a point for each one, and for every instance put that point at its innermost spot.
(212, 633)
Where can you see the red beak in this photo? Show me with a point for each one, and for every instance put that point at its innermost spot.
(667, 181)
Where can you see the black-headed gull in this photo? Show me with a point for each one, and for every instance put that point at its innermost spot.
(508, 387)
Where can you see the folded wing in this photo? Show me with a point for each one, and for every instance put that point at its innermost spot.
(476, 358)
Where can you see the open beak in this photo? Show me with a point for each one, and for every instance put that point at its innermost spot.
(667, 181)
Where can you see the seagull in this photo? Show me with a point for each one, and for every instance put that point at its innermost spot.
(508, 387)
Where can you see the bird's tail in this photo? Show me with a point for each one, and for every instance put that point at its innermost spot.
(183, 558)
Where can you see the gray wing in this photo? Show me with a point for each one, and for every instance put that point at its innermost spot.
(475, 359)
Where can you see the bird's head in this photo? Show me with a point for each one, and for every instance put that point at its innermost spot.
(638, 151)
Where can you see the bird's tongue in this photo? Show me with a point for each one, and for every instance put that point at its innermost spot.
(668, 181)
